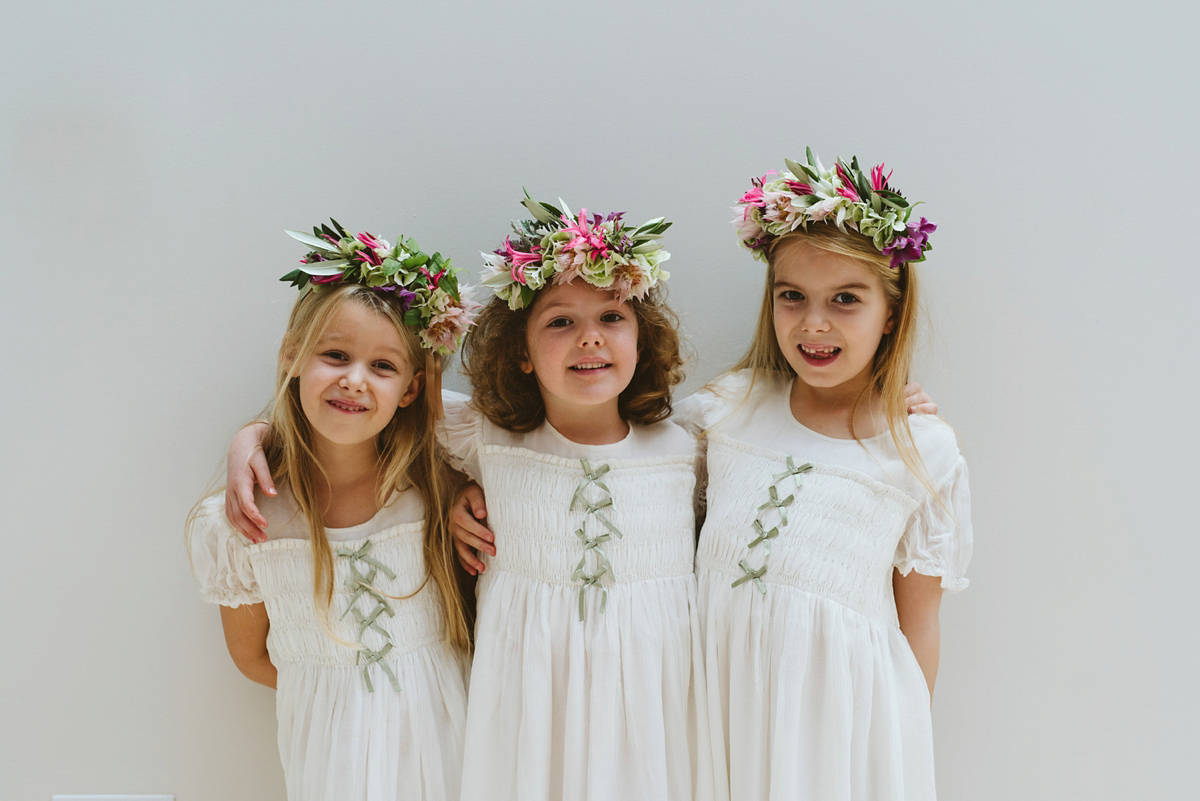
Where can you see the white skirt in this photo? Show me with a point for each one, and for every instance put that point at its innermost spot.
(340, 742)
(603, 709)
(812, 701)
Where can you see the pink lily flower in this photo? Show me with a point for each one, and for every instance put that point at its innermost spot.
(799, 187)
(754, 197)
(847, 189)
(519, 259)
(325, 279)
(878, 179)
(370, 257)
(369, 240)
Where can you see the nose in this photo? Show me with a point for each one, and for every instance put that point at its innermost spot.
(814, 319)
(354, 379)
(589, 336)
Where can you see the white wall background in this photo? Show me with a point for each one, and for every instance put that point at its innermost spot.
(152, 152)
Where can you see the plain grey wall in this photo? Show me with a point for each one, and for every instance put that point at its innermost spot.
(152, 154)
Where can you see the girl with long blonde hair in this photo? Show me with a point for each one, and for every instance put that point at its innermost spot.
(834, 521)
(351, 606)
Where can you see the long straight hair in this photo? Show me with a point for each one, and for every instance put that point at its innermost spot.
(893, 358)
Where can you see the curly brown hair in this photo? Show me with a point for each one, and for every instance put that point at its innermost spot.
(494, 351)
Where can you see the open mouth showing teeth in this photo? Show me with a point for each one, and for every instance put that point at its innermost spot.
(347, 406)
(591, 366)
(822, 353)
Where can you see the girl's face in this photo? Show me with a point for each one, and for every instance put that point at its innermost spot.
(582, 347)
(830, 315)
(357, 378)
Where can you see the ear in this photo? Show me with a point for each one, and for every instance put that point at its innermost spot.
(413, 390)
(890, 323)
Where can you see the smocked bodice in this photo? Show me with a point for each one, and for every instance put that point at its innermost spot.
(776, 521)
(366, 573)
(562, 521)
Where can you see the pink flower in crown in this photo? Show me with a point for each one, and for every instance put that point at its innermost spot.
(847, 189)
(587, 237)
(778, 208)
(570, 265)
(746, 221)
(878, 179)
(629, 280)
(446, 328)
(799, 187)
(369, 240)
(325, 279)
(519, 259)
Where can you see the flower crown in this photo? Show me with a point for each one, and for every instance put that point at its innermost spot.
(426, 286)
(557, 245)
(844, 196)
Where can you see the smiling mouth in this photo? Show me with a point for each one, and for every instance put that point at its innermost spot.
(346, 406)
(819, 354)
(590, 367)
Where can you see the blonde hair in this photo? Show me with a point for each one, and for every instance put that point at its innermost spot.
(408, 452)
(893, 357)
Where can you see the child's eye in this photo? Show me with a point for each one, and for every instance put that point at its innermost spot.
(790, 295)
(559, 322)
(612, 317)
(385, 366)
(845, 298)
(336, 355)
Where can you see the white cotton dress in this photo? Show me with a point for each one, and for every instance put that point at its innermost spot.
(814, 691)
(587, 667)
(381, 726)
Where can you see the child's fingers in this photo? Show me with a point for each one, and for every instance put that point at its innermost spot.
(473, 495)
(463, 517)
(923, 408)
(240, 522)
(467, 558)
(262, 473)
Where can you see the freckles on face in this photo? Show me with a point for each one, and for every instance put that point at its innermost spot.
(830, 313)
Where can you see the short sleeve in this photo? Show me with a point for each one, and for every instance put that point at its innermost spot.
(460, 432)
(699, 412)
(220, 559)
(938, 539)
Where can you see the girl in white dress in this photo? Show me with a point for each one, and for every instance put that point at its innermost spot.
(350, 607)
(833, 522)
(586, 671)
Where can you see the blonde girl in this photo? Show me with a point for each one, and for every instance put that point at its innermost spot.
(834, 521)
(351, 607)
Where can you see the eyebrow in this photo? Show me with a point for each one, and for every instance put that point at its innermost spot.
(327, 339)
(842, 288)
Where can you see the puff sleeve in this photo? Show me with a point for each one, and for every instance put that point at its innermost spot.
(220, 558)
(938, 539)
(460, 432)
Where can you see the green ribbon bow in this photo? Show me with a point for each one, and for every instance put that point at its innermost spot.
(752, 575)
(764, 537)
(792, 470)
(590, 580)
(778, 503)
(376, 658)
(364, 584)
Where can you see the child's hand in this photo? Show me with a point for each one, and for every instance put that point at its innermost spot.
(917, 400)
(247, 466)
(468, 529)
